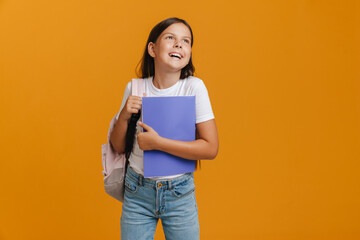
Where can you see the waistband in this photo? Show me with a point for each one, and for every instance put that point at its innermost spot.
(166, 183)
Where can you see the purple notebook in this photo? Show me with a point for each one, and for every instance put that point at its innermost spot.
(173, 118)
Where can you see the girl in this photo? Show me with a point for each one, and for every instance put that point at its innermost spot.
(167, 70)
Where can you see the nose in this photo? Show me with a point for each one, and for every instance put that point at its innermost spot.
(177, 44)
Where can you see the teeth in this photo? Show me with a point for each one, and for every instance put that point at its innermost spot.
(175, 55)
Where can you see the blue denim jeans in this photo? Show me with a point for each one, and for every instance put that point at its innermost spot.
(146, 201)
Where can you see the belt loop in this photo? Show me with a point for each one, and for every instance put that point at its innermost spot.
(169, 185)
(140, 180)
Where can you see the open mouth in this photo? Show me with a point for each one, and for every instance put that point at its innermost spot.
(175, 55)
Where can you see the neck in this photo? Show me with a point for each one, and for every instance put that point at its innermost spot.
(163, 80)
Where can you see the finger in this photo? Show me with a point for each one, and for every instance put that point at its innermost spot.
(134, 98)
(136, 106)
(133, 110)
(135, 101)
(144, 126)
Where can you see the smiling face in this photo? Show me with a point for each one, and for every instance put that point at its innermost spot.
(172, 49)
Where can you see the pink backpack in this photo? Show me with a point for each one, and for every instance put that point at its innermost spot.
(113, 162)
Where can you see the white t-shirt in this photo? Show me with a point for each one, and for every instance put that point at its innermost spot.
(191, 86)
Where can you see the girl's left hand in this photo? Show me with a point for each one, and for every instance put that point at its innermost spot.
(147, 140)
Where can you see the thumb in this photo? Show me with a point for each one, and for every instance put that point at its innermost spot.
(144, 126)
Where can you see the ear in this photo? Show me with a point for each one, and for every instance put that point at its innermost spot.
(151, 49)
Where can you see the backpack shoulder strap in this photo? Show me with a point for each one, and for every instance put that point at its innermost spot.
(138, 87)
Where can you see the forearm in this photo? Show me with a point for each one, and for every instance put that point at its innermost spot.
(118, 135)
(193, 150)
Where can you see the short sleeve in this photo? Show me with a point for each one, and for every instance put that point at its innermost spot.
(203, 105)
(125, 97)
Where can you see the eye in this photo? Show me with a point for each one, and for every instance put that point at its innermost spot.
(169, 37)
(186, 41)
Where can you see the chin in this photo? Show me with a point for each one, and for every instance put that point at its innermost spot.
(176, 68)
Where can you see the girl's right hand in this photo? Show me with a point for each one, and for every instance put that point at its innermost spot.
(132, 105)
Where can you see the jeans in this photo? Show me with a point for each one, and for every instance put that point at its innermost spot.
(146, 201)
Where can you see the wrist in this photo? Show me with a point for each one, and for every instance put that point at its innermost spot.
(159, 143)
(122, 117)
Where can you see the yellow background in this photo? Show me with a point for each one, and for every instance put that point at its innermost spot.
(283, 79)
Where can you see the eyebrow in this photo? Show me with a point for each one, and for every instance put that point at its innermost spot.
(175, 35)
